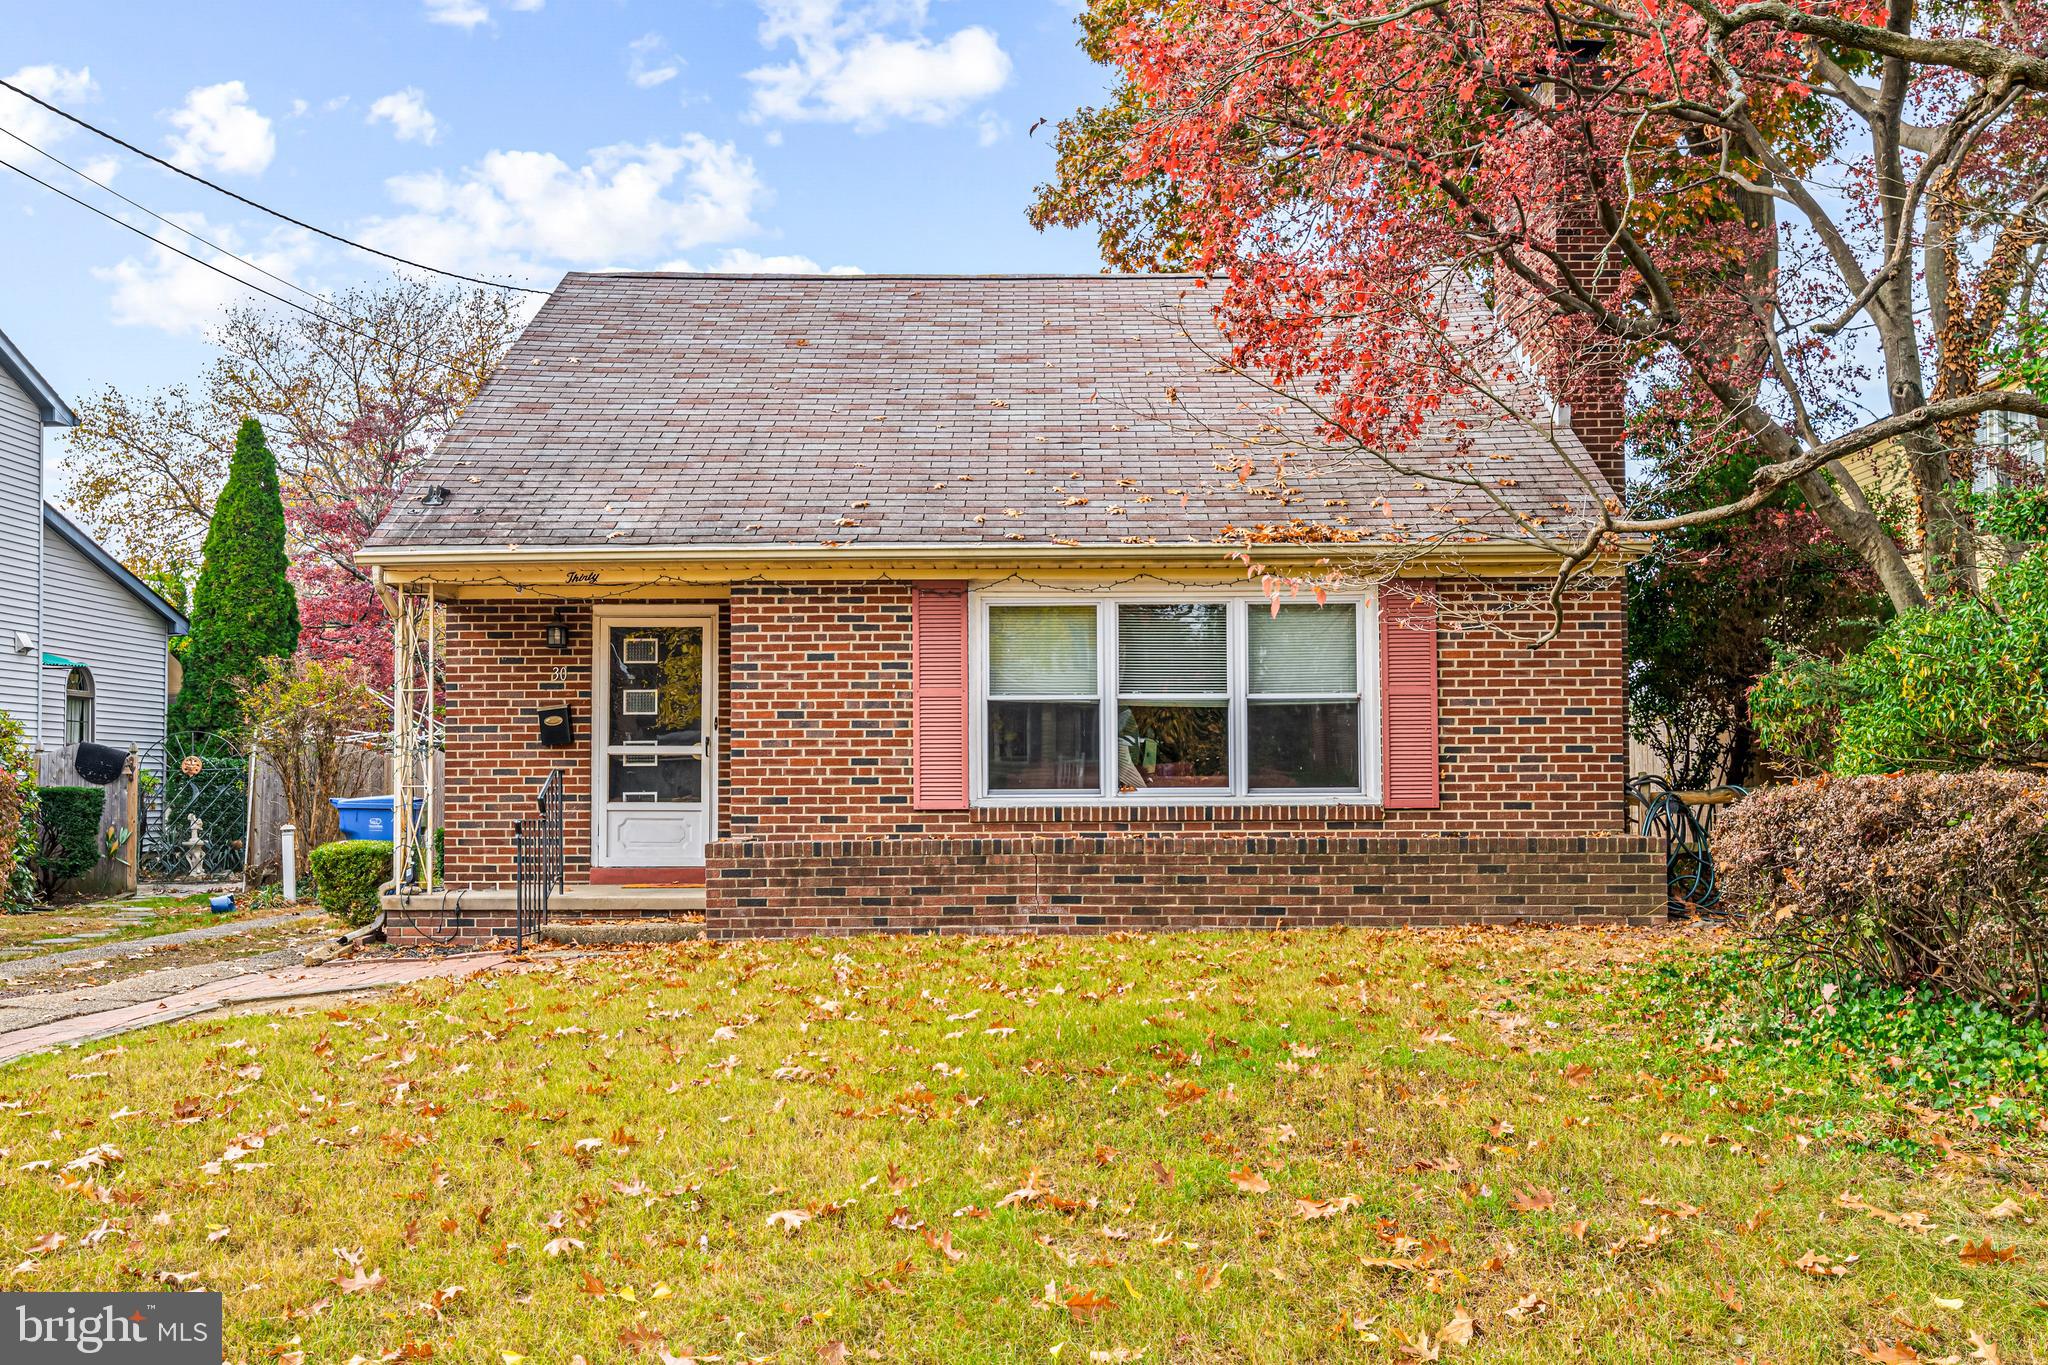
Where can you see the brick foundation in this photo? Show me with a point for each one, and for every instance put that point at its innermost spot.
(1096, 884)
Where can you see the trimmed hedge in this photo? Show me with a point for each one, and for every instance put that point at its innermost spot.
(68, 844)
(347, 875)
(1920, 881)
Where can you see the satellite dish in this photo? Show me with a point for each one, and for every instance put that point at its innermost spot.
(99, 764)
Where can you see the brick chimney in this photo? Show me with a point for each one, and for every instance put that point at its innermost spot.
(1582, 373)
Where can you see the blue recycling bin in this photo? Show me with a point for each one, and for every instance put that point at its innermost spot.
(370, 817)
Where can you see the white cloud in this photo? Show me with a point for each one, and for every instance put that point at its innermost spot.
(650, 63)
(299, 108)
(738, 260)
(990, 128)
(515, 211)
(173, 294)
(460, 13)
(407, 113)
(217, 129)
(471, 13)
(868, 64)
(57, 84)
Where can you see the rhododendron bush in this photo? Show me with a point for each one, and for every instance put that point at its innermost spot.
(1797, 208)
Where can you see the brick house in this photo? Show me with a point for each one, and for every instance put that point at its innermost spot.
(906, 603)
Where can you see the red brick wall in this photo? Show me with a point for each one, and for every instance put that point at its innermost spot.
(814, 738)
(498, 671)
(1084, 884)
(817, 732)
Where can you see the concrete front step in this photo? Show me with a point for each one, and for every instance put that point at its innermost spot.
(576, 901)
(634, 929)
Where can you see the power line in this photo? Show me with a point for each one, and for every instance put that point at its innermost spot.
(244, 199)
(227, 274)
(168, 222)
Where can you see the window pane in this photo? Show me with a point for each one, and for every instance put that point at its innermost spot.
(1305, 650)
(1043, 746)
(660, 781)
(1172, 746)
(1304, 744)
(657, 684)
(1041, 651)
(1178, 650)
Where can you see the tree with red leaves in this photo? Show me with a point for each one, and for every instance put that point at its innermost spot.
(1737, 206)
(353, 396)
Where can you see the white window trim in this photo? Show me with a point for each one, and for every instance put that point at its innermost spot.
(1106, 601)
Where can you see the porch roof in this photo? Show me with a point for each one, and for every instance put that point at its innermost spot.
(849, 415)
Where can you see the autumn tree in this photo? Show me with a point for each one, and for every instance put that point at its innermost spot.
(309, 718)
(1763, 209)
(244, 612)
(352, 400)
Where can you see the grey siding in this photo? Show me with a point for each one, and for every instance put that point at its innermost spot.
(21, 522)
(90, 618)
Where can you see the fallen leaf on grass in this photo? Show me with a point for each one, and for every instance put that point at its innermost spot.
(358, 1283)
(1889, 1353)
(789, 1220)
(1311, 1209)
(1912, 1220)
(1983, 1253)
(1249, 1181)
(1536, 1200)
(1822, 1266)
(1085, 1304)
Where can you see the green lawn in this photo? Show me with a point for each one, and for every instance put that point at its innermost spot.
(1204, 1147)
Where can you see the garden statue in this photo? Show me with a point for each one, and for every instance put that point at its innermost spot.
(195, 848)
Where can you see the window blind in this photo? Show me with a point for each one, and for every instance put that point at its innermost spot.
(1173, 650)
(1305, 651)
(1041, 651)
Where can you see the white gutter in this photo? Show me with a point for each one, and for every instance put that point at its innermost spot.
(399, 557)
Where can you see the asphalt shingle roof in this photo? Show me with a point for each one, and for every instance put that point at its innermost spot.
(724, 410)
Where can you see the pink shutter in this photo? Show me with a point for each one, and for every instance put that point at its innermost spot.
(1408, 697)
(938, 696)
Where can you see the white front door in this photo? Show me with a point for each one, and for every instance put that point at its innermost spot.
(651, 745)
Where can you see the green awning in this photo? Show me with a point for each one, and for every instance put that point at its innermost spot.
(59, 661)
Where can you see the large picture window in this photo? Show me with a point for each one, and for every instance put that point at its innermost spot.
(1219, 698)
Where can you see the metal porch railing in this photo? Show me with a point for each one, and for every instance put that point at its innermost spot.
(537, 871)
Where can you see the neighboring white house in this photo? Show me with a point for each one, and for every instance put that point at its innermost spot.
(84, 644)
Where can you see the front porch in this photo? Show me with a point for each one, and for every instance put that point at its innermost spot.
(477, 915)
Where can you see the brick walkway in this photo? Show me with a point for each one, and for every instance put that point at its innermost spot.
(327, 979)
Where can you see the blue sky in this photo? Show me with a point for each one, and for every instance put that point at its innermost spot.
(517, 138)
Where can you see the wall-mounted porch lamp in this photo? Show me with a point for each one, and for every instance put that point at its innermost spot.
(558, 632)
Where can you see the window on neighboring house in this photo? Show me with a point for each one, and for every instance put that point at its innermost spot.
(1132, 699)
(78, 706)
(2012, 450)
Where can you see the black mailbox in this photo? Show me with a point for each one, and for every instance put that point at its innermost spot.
(557, 726)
